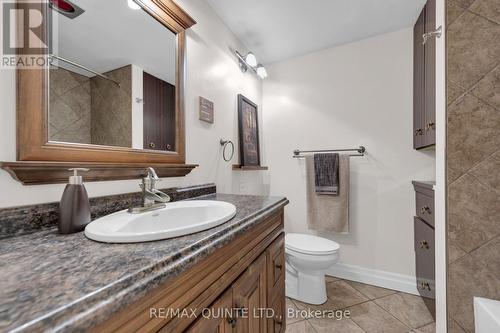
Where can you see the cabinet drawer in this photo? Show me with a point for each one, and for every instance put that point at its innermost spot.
(276, 267)
(425, 207)
(424, 258)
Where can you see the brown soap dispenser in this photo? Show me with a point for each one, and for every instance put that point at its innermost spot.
(74, 208)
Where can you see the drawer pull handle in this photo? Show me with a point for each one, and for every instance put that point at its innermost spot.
(424, 244)
(430, 125)
(278, 266)
(425, 209)
(425, 285)
(419, 131)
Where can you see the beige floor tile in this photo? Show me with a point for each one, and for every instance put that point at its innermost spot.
(328, 305)
(373, 319)
(291, 312)
(325, 325)
(300, 327)
(343, 295)
(409, 309)
(370, 291)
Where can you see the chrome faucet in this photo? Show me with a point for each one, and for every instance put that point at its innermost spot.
(152, 198)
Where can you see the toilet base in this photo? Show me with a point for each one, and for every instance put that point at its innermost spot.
(308, 288)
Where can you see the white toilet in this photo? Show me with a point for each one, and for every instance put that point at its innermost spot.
(307, 259)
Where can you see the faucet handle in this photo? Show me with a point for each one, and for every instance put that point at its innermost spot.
(152, 174)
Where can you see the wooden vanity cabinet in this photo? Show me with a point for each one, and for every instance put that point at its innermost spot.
(216, 324)
(424, 241)
(259, 288)
(240, 287)
(424, 79)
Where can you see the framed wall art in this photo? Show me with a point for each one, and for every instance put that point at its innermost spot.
(248, 126)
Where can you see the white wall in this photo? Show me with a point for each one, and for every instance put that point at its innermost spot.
(343, 97)
(212, 71)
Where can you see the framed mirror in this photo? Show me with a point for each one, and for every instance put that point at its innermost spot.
(111, 94)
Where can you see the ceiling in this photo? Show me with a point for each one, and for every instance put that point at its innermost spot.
(110, 35)
(276, 30)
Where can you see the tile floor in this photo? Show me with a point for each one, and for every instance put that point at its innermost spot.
(371, 310)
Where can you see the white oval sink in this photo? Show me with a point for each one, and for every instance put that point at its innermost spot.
(177, 219)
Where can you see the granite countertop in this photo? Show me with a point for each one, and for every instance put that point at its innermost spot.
(70, 283)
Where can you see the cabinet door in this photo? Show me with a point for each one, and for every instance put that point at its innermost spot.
(430, 75)
(249, 295)
(158, 114)
(418, 82)
(276, 285)
(217, 321)
(277, 323)
(275, 267)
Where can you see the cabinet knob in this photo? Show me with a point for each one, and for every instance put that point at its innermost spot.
(425, 209)
(231, 322)
(278, 266)
(430, 125)
(425, 285)
(419, 131)
(278, 319)
(424, 244)
(436, 34)
(152, 145)
(169, 147)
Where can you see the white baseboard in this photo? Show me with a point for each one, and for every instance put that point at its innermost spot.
(395, 281)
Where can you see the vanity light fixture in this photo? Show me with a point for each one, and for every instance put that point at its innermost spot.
(133, 5)
(261, 71)
(250, 60)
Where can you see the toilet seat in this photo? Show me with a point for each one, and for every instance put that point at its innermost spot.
(310, 244)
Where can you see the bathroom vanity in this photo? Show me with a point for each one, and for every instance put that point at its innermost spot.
(226, 292)
(68, 283)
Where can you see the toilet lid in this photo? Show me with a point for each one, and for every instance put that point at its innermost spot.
(310, 244)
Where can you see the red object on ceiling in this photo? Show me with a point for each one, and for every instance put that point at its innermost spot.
(63, 5)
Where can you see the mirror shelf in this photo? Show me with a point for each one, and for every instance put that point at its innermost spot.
(39, 173)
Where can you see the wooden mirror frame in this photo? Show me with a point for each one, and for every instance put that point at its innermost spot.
(41, 161)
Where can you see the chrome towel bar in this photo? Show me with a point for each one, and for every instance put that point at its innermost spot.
(361, 151)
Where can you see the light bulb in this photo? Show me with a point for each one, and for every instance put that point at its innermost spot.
(133, 5)
(261, 71)
(251, 60)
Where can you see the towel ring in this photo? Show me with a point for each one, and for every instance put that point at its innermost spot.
(225, 143)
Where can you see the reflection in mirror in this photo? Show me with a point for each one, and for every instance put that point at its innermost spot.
(109, 84)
